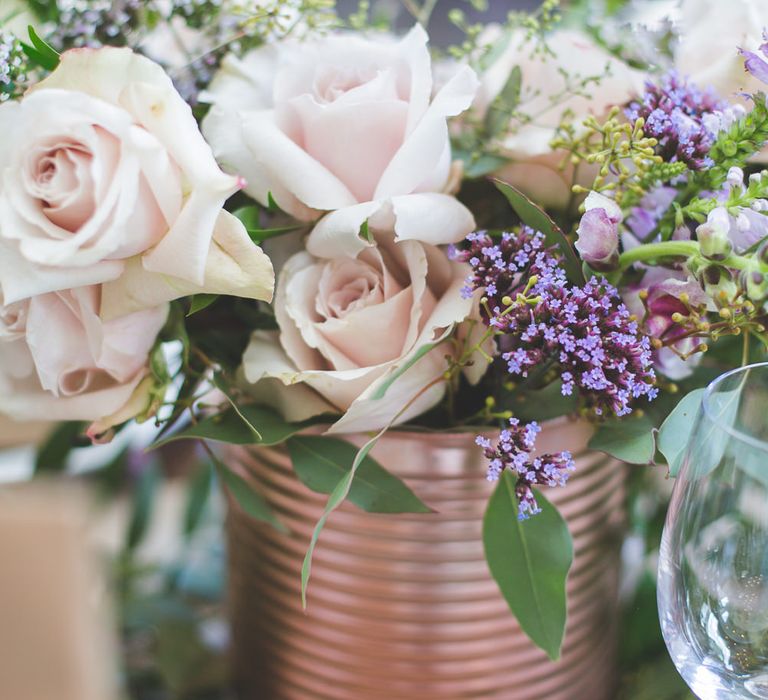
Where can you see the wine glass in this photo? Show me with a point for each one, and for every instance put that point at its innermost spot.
(713, 570)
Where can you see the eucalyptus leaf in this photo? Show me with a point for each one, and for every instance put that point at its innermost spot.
(530, 561)
(52, 455)
(337, 497)
(501, 109)
(144, 496)
(676, 429)
(235, 428)
(250, 500)
(631, 440)
(382, 389)
(535, 217)
(200, 302)
(198, 493)
(321, 462)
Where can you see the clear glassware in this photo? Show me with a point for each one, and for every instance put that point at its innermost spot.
(713, 571)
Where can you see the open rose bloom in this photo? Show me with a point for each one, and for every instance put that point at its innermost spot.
(111, 206)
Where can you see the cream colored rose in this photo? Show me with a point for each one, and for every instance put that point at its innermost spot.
(342, 122)
(545, 97)
(710, 35)
(105, 175)
(60, 361)
(349, 323)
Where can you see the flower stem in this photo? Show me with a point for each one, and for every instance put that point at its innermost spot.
(652, 251)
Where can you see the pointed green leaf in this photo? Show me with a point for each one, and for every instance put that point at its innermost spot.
(321, 462)
(198, 493)
(631, 440)
(235, 428)
(530, 561)
(532, 215)
(337, 497)
(501, 109)
(676, 429)
(52, 455)
(250, 500)
(200, 302)
(144, 496)
(381, 390)
(40, 52)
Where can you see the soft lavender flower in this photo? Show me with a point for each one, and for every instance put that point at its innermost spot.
(504, 265)
(676, 114)
(587, 332)
(754, 64)
(644, 218)
(13, 66)
(514, 451)
(598, 232)
(96, 23)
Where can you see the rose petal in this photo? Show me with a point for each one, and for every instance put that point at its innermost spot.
(234, 265)
(422, 151)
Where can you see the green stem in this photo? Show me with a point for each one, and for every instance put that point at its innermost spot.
(652, 251)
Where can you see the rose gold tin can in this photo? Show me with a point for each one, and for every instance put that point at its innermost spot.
(403, 606)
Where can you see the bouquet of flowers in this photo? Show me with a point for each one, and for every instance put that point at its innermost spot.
(555, 217)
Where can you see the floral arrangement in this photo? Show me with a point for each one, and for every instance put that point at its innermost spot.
(555, 217)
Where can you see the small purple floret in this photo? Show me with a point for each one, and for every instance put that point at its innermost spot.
(676, 114)
(514, 451)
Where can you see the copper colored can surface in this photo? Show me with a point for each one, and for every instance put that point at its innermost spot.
(402, 607)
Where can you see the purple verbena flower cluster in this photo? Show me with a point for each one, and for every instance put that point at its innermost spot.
(513, 451)
(676, 114)
(543, 320)
(502, 267)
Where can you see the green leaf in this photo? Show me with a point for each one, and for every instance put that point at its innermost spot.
(477, 165)
(631, 440)
(250, 500)
(400, 371)
(249, 216)
(365, 232)
(200, 302)
(535, 217)
(40, 52)
(321, 462)
(272, 205)
(259, 235)
(502, 107)
(52, 455)
(198, 492)
(337, 497)
(530, 561)
(676, 429)
(220, 383)
(143, 505)
(235, 428)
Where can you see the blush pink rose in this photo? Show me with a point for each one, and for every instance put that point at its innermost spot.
(343, 122)
(104, 173)
(60, 361)
(348, 323)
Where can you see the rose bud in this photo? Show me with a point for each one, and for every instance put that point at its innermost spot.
(598, 232)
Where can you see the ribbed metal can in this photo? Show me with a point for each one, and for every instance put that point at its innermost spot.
(402, 607)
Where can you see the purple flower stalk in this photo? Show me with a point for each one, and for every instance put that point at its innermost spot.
(514, 451)
(676, 113)
(586, 332)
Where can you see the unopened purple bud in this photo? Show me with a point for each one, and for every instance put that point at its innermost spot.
(598, 232)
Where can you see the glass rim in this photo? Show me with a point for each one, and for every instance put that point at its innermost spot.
(711, 389)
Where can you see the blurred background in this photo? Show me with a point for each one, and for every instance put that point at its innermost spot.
(141, 534)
